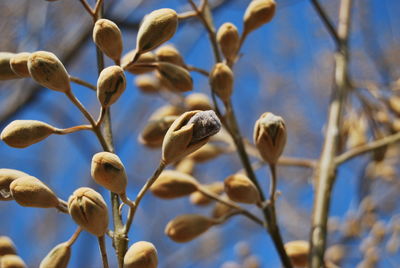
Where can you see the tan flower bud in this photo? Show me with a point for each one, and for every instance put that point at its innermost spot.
(241, 189)
(198, 101)
(270, 137)
(47, 70)
(197, 198)
(7, 176)
(28, 191)
(141, 254)
(23, 133)
(12, 261)
(7, 246)
(220, 209)
(173, 184)
(221, 81)
(206, 153)
(166, 110)
(144, 58)
(88, 209)
(228, 39)
(298, 251)
(148, 84)
(155, 130)
(6, 73)
(19, 64)
(258, 13)
(188, 133)
(58, 257)
(108, 38)
(174, 77)
(335, 253)
(169, 53)
(186, 165)
(110, 85)
(187, 227)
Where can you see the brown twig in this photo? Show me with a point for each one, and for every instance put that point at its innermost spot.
(81, 82)
(326, 21)
(74, 236)
(103, 251)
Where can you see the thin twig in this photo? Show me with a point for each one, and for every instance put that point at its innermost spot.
(63, 131)
(199, 70)
(81, 82)
(74, 236)
(87, 7)
(103, 251)
(62, 206)
(326, 21)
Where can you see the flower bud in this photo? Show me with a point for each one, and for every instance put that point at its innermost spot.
(221, 81)
(197, 198)
(241, 189)
(206, 153)
(155, 130)
(28, 191)
(174, 77)
(7, 176)
(110, 85)
(108, 171)
(187, 227)
(229, 40)
(141, 254)
(258, 13)
(198, 101)
(19, 64)
(144, 58)
(188, 133)
(108, 38)
(58, 257)
(186, 165)
(7, 246)
(12, 261)
(270, 137)
(220, 209)
(47, 70)
(88, 209)
(298, 251)
(169, 53)
(6, 73)
(23, 133)
(173, 184)
(147, 84)
(166, 110)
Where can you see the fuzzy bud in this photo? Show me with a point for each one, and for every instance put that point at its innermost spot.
(110, 85)
(58, 257)
(19, 64)
(155, 130)
(7, 176)
(258, 13)
(197, 198)
(144, 58)
(198, 101)
(174, 77)
(169, 53)
(187, 227)
(108, 38)
(221, 81)
(6, 73)
(141, 254)
(12, 261)
(241, 189)
(228, 39)
(298, 251)
(7, 246)
(147, 84)
(173, 184)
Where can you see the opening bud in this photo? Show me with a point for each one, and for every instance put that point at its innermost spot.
(174, 77)
(58, 257)
(240, 188)
(110, 85)
(148, 84)
(12, 261)
(19, 64)
(7, 246)
(298, 251)
(7, 176)
(108, 38)
(135, 68)
(258, 13)
(221, 81)
(169, 53)
(6, 73)
(229, 40)
(173, 184)
(198, 101)
(141, 254)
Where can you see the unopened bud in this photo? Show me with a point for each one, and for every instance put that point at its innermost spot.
(58, 257)
(221, 81)
(206, 153)
(88, 209)
(141, 254)
(147, 84)
(186, 165)
(7, 246)
(228, 39)
(241, 189)
(187, 227)
(144, 58)
(19, 64)
(6, 73)
(110, 85)
(108, 38)
(200, 199)
(169, 53)
(7, 176)
(12, 261)
(174, 184)
(175, 77)
(166, 110)
(258, 13)
(198, 101)
(298, 251)
(155, 130)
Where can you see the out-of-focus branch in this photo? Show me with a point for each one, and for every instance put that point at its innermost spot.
(326, 21)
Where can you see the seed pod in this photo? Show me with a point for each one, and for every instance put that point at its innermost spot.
(108, 38)
(258, 13)
(47, 70)
(155, 130)
(23, 133)
(28, 191)
(7, 246)
(174, 77)
(198, 101)
(141, 254)
(197, 198)
(58, 257)
(147, 84)
(173, 184)
(110, 85)
(19, 64)
(12, 261)
(221, 81)
(166, 110)
(241, 189)
(6, 177)
(6, 73)
(270, 137)
(169, 53)
(206, 153)
(298, 251)
(144, 58)
(187, 227)
(88, 209)
(229, 40)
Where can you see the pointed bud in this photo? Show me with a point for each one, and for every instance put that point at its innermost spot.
(7, 246)
(187, 227)
(110, 85)
(141, 254)
(270, 137)
(241, 189)
(173, 184)
(258, 13)
(228, 39)
(298, 252)
(144, 58)
(197, 198)
(7, 176)
(58, 257)
(174, 77)
(198, 101)
(6, 73)
(108, 38)
(155, 130)
(12, 261)
(19, 64)
(23, 133)
(169, 53)
(147, 84)
(221, 81)
(47, 70)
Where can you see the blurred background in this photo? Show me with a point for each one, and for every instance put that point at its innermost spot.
(286, 68)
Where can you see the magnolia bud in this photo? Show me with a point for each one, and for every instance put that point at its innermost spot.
(198, 101)
(6, 73)
(200, 199)
(229, 40)
(6, 246)
(108, 171)
(19, 64)
(23, 133)
(221, 81)
(187, 227)
(110, 85)
(12, 261)
(169, 53)
(173, 184)
(58, 257)
(88, 209)
(174, 77)
(270, 137)
(144, 58)
(241, 189)
(28, 191)
(155, 130)
(108, 38)
(206, 153)
(258, 13)
(147, 84)
(47, 70)
(6, 177)
(298, 252)
(141, 254)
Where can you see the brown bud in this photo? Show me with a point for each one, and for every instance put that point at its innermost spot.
(174, 77)
(169, 53)
(298, 251)
(221, 81)
(110, 85)
(12, 261)
(144, 58)
(6, 177)
(6, 73)
(228, 39)
(167, 110)
(19, 64)
(270, 137)
(7, 246)
(200, 199)
(141, 254)
(173, 184)
(58, 257)
(187, 227)
(206, 153)
(108, 38)
(47, 70)
(186, 165)
(335, 253)
(108, 171)
(155, 130)
(258, 13)
(88, 209)
(198, 101)
(241, 189)
(148, 84)
(23, 133)
(28, 191)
